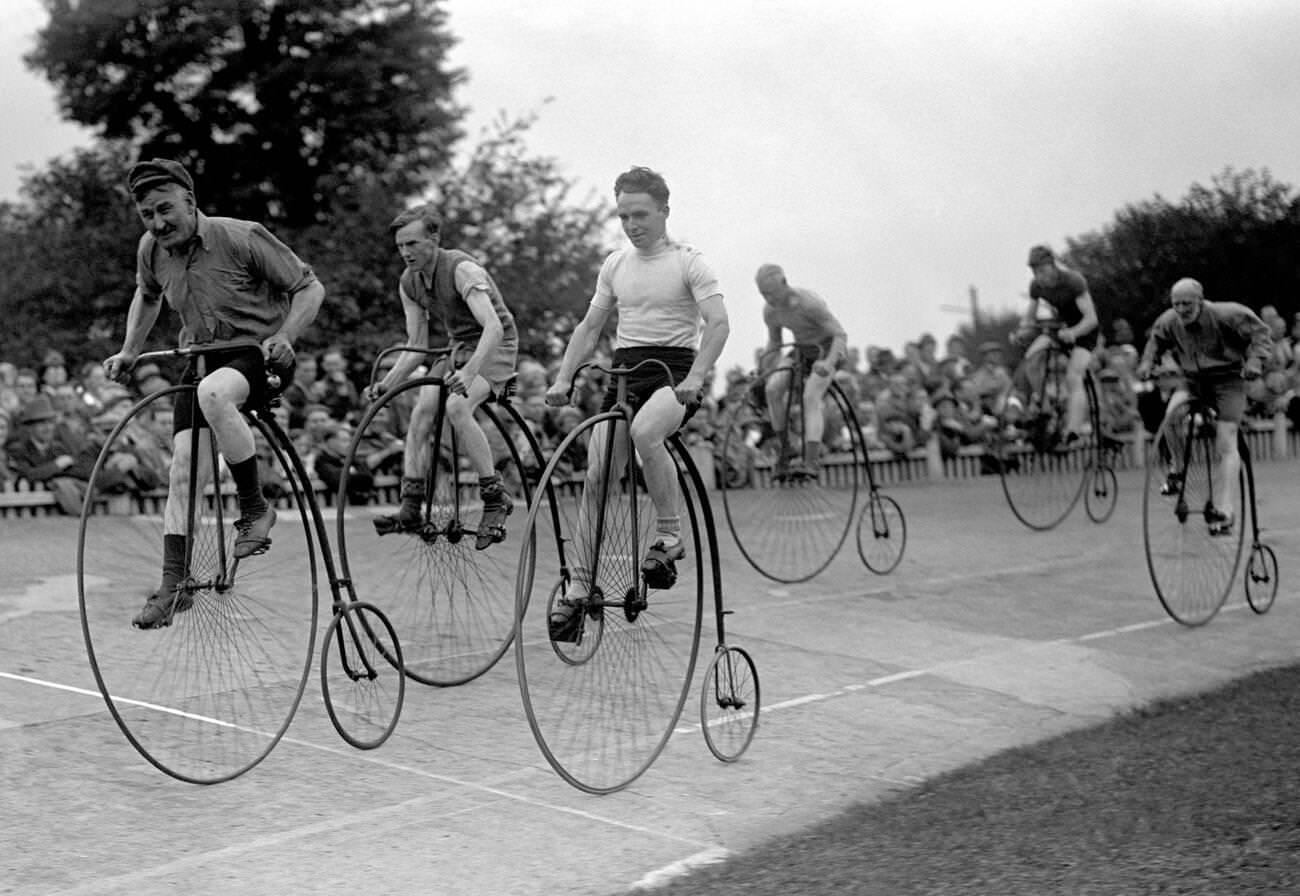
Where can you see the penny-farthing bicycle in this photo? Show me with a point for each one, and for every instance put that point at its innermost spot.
(448, 584)
(790, 513)
(1043, 473)
(1192, 562)
(207, 695)
(603, 705)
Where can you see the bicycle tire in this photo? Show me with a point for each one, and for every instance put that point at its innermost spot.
(789, 530)
(208, 696)
(362, 679)
(1101, 494)
(1042, 478)
(1261, 578)
(730, 702)
(882, 534)
(450, 602)
(1192, 571)
(601, 723)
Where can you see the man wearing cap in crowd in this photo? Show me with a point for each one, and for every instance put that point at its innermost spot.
(1066, 291)
(40, 454)
(227, 279)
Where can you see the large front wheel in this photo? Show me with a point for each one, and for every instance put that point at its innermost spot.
(603, 702)
(1192, 570)
(207, 694)
(789, 513)
(447, 591)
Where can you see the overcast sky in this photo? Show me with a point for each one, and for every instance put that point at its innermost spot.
(888, 153)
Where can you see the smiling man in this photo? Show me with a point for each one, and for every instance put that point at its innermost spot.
(227, 279)
(663, 291)
(1218, 346)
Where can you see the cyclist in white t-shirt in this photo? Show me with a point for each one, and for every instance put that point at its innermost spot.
(664, 291)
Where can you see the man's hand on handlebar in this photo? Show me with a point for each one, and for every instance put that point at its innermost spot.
(1252, 370)
(278, 350)
(558, 395)
(690, 389)
(118, 367)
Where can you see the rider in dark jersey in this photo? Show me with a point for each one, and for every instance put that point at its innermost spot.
(1066, 292)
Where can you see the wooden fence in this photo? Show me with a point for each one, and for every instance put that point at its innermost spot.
(1269, 440)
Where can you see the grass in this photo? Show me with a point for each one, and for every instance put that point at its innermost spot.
(1196, 797)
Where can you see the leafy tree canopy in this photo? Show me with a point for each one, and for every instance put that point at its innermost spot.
(1237, 236)
(277, 106)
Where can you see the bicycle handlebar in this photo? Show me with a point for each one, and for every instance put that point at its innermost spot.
(198, 348)
(437, 352)
(776, 352)
(619, 372)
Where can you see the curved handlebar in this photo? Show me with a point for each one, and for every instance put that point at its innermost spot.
(619, 372)
(199, 348)
(435, 352)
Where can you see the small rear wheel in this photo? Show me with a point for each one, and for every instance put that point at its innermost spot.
(729, 703)
(1261, 578)
(882, 534)
(1101, 494)
(361, 675)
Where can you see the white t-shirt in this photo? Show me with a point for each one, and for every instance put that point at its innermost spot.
(657, 294)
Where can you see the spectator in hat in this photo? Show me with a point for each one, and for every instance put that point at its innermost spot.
(40, 454)
(1117, 403)
(299, 393)
(991, 380)
(227, 279)
(331, 461)
(334, 389)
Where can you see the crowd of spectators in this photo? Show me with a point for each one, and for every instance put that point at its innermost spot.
(53, 424)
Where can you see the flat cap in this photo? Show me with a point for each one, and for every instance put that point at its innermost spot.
(144, 176)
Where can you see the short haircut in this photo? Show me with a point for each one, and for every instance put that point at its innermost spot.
(426, 214)
(640, 179)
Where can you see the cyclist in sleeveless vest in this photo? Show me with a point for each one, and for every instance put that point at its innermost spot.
(447, 295)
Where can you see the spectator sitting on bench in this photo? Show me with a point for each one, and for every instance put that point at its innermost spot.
(40, 455)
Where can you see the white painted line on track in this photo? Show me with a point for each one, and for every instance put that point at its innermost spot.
(668, 873)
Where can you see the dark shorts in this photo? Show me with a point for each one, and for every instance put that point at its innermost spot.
(805, 356)
(249, 362)
(1225, 391)
(651, 378)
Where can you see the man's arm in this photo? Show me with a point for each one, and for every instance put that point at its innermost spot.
(475, 293)
(417, 333)
(1256, 333)
(835, 330)
(1087, 324)
(581, 344)
(304, 305)
(713, 339)
(140, 318)
(767, 361)
(1151, 351)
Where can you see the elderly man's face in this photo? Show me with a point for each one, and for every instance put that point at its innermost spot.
(1187, 304)
(168, 213)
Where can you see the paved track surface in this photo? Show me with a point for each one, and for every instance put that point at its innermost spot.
(987, 636)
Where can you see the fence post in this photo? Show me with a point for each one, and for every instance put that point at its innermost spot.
(1280, 422)
(933, 458)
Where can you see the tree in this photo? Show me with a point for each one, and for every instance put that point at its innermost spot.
(1237, 236)
(279, 107)
(512, 210)
(67, 258)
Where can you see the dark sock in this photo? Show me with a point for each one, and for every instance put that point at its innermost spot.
(490, 490)
(173, 568)
(248, 486)
(412, 495)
